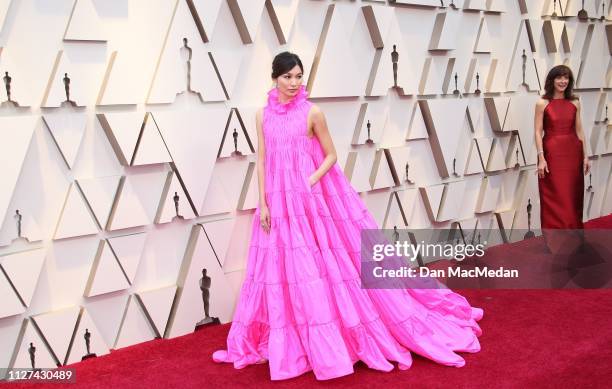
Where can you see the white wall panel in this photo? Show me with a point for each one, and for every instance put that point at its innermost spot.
(152, 115)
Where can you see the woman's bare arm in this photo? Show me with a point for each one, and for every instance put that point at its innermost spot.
(320, 130)
(538, 125)
(580, 134)
(261, 157)
(579, 128)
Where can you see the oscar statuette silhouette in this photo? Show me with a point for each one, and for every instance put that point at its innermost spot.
(205, 283)
(7, 85)
(19, 223)
(369, 141)
(408, 180)
(517, 164)
(176, 198)
(583, 15)
(396, 235)
(87, 337)
(529, 233)
(394, 60)
(235, 137)
(32, 352)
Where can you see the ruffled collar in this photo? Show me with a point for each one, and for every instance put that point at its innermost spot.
(277, 106)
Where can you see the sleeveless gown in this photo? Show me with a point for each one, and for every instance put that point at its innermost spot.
(562, 189)
(301, 306)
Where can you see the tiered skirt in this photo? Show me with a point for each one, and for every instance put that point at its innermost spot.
(302, 306)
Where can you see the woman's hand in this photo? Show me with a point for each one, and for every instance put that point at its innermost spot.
(264, 218)
(587, 165)
(311, 181)
(542, 167)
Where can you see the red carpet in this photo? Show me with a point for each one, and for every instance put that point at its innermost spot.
(531, 338)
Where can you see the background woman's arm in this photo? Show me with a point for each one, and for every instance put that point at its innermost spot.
(322, 132)
(580, 134)
(538, 126)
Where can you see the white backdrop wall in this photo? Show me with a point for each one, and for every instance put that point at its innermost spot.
(156, 88)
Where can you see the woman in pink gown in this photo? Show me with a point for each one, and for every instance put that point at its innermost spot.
(301, 307)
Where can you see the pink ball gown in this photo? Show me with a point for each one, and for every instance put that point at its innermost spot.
(301, 306)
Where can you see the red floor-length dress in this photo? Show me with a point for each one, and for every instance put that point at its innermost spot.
(562, 189)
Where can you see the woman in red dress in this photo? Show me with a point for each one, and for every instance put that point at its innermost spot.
(562, 155)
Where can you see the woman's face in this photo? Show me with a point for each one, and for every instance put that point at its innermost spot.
(561, 83)
(288, 83)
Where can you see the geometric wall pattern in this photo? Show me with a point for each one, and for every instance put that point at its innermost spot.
(118, 120)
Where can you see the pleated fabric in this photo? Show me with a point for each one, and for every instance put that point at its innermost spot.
(301, 306)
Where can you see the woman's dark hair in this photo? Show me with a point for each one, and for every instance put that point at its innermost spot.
(549, 86)
(283, 62)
